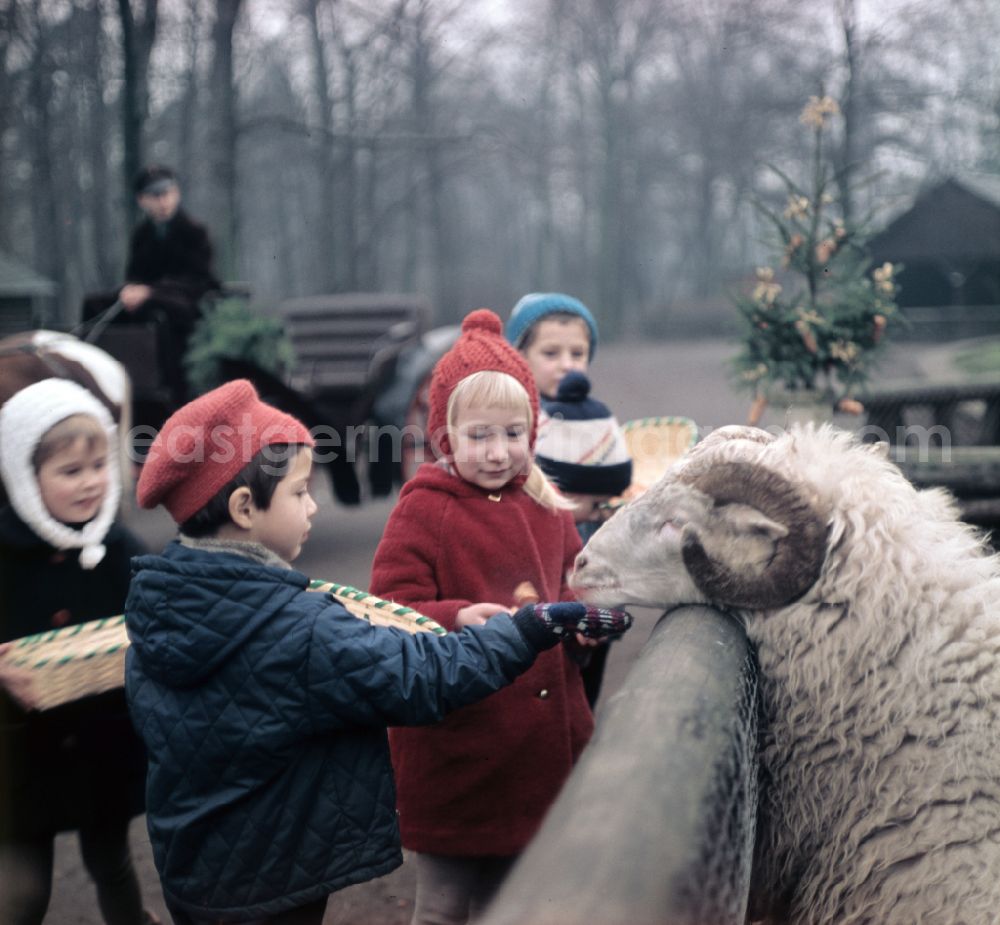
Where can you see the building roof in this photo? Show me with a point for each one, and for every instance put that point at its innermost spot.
(17, 279)
(958, 219)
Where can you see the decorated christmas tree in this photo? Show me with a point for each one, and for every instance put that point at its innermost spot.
(816, 318)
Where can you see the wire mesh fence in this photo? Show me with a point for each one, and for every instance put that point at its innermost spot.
(717, 890)
(929, 415)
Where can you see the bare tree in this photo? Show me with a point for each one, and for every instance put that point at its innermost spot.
(8, 18)
(888, 75)
(138, 37)
(422, 29)
(99, 201)
(224, 135)
(330, 254)
(535, 149)
(605, 148)
(49, 240)
(188, 128)
(737, 76)
(979, 84)
(617, 42)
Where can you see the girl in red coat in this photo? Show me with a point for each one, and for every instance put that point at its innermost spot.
(468, 532)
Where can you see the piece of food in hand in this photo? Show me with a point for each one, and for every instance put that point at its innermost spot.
(525, 593)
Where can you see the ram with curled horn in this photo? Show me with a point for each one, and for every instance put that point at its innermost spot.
(873, 611)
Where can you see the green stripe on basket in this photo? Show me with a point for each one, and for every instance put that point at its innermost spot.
(65, 632)
(377, 603)
(434, 628)
(25, 662)
(656, 421)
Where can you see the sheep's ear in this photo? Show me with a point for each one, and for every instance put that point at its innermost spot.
(784, 512)
(732, 550)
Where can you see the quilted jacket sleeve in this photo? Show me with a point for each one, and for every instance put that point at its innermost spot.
(361, 675)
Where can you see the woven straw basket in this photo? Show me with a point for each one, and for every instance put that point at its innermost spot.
(654, 445)
(89, 658)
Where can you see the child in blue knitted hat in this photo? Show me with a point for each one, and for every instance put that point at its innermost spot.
(555, 333)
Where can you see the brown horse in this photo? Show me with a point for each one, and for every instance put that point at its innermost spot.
(35, 355)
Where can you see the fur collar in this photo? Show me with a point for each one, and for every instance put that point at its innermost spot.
(256, 551)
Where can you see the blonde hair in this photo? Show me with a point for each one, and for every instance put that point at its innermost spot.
(493, 389)
(65, 433)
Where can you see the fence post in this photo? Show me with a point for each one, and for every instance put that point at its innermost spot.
(656, 823)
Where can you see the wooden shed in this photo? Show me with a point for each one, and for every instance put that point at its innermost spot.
(26, 298)
(949, 244)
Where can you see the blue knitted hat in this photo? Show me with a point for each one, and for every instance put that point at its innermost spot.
(536, 305)
(580, 445)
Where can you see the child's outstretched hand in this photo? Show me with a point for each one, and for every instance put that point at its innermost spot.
(565, 617)
(477, 614)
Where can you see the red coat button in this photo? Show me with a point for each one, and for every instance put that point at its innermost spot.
(61, 617)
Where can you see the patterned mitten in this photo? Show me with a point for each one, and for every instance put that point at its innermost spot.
(567, 617)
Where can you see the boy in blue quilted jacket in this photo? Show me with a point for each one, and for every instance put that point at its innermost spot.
(263, 705)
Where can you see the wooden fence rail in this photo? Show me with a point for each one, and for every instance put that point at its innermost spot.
(656, 824)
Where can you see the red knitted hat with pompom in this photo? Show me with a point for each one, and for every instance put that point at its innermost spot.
(481, 346)
(206, 443)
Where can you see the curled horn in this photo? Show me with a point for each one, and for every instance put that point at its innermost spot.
(738, 432)
(699, 458)
(798, 557)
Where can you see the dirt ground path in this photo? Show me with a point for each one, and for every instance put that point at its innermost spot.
(636, 380)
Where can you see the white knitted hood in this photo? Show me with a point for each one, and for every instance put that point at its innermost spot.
(24, 419)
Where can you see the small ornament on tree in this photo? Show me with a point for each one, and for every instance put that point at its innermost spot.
(817, 322)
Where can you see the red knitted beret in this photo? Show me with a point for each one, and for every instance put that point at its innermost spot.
(481, 346)
(206, 443)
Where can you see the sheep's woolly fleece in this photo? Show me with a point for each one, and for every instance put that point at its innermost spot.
(882, 690)
(880, 678)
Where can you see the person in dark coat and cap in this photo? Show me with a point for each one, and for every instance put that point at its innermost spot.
(170, 256)
(169, 270)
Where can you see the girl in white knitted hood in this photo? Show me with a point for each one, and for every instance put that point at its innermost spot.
(77, 767)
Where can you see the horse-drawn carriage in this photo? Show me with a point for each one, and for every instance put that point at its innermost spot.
(359, 379)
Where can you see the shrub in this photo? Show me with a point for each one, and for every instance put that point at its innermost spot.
(231, 330)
